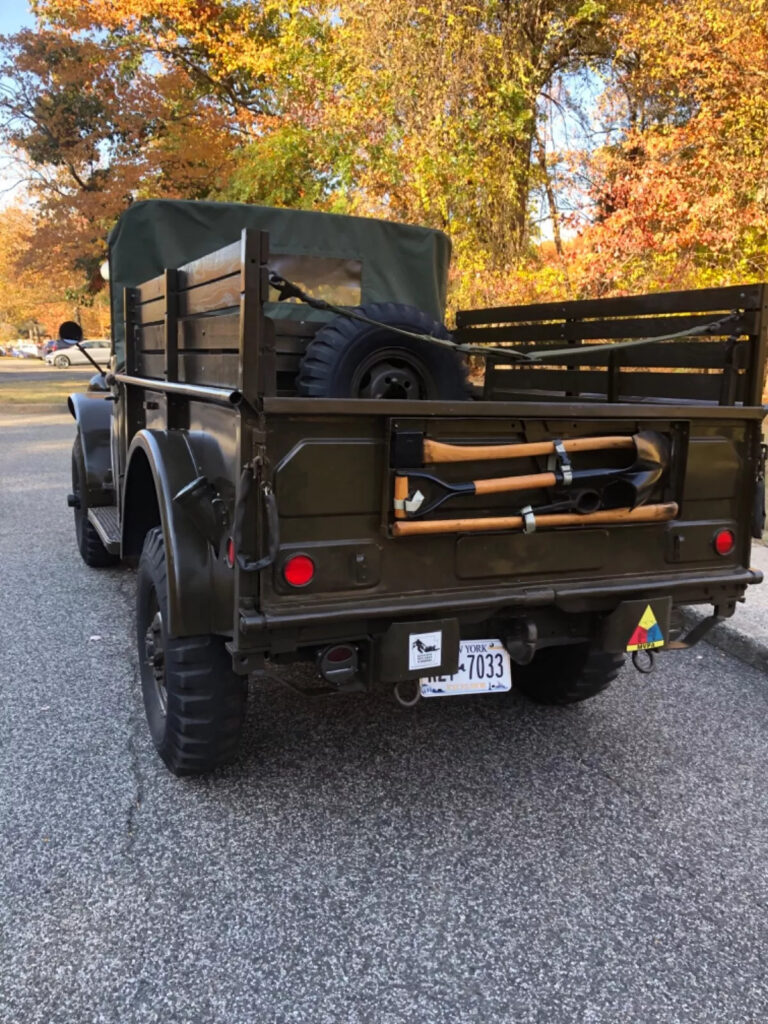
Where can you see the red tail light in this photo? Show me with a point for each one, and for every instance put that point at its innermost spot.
(230, 553)
(299, 570)
(725, 542)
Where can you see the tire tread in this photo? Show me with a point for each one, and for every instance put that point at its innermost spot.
(325, 353)
(206, 699)
(567, 675)
(89, 543)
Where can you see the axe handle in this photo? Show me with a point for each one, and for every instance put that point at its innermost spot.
(644, 514)
(437, 451)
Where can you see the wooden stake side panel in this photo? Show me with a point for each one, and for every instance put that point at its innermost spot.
(207, 316)
(722, 366)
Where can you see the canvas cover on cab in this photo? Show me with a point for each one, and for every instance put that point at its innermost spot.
(392, 262)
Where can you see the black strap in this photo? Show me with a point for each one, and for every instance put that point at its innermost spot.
(288, 290)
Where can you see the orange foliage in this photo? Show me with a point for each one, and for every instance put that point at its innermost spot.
(46, 298)
(680, 198)
(435, 113)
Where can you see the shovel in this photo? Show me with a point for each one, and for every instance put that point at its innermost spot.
(621, 488)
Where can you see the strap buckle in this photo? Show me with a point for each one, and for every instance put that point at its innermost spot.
(410, 504)
(559, 463)
(529, 519)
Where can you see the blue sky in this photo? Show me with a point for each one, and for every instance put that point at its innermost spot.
(14, 14)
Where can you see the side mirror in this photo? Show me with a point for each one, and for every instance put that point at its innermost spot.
(98, 382)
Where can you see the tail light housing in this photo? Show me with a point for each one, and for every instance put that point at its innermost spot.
(299, 571)
(724, 542)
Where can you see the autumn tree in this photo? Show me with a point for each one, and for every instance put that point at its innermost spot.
(256, 65)
(442, 113)
(437, 111)
(679, 195)
(31, 295)
(97, 130)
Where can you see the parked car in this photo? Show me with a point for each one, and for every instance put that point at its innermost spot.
(25, 350)
(52, 344)
(72, 356)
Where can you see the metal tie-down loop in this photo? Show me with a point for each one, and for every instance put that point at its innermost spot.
(644, 661)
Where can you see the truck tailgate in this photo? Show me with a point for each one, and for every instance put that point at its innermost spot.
(334, 485)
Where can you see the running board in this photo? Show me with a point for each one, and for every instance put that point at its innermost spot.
(106, 523)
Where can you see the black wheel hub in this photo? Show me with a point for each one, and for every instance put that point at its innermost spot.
(392, 374)
(154, 656)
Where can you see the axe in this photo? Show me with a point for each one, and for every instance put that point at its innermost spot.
(412, 448)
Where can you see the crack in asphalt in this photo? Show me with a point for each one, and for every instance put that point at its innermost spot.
(135, 723)
(591, 766)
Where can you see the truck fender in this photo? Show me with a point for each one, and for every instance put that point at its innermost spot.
(160, 464)
(94, 423)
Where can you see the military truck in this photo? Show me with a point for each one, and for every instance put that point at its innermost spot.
(306, 465)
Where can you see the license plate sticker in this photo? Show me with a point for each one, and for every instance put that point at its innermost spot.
(484, 667)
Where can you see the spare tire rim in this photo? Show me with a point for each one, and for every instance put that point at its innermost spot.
(393, 374)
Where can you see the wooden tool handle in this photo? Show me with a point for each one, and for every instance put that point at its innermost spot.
(401, 493)
(437, 451)
(514, 483)
(644, 514)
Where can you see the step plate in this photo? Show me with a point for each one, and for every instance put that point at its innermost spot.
(106, 522)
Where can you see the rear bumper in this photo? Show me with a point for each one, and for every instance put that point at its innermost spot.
(572, 597)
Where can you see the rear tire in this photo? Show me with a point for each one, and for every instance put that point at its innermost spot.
(195, 703)
(88, 541)
(351, 359)
(567, 675)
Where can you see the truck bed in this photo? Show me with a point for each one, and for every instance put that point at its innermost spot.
(206, 358)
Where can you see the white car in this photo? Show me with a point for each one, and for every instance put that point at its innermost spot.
(25, 350)
(72, 356)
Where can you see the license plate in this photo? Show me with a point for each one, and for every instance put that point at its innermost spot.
(483, 668)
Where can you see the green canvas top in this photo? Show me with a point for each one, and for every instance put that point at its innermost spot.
(400, 262)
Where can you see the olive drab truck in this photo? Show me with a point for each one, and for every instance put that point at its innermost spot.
(305, 464)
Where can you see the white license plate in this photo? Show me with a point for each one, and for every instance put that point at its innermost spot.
(483, 668)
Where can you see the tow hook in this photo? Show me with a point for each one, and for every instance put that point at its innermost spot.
(407, 693)
(644, 661)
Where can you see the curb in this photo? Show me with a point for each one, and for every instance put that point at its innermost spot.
(728, 637)
(745, 634)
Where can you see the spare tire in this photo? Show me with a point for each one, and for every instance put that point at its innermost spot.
(351, 359)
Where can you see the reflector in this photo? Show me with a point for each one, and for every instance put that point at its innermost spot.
(725, 542)
(299, 570)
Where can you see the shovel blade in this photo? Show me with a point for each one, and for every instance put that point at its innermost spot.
(633, 486)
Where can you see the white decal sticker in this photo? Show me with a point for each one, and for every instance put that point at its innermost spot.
(424, 650)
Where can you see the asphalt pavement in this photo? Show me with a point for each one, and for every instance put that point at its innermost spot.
(464, 862)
